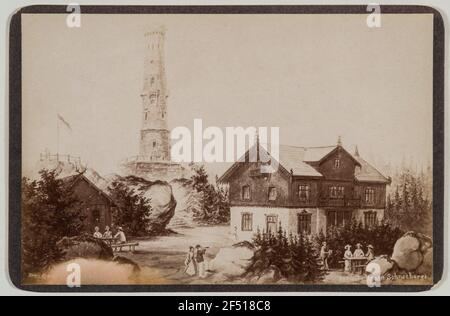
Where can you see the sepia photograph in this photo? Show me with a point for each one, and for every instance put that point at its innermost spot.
(227, 149)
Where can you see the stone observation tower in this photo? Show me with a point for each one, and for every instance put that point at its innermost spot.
(153, 161)
(154, 141)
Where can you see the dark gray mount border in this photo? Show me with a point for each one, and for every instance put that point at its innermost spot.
(15, 137)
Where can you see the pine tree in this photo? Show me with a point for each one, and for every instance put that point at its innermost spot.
(49, 213)
(133, 209)
(213, 199)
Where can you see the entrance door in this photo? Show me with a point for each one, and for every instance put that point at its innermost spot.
(271, 224)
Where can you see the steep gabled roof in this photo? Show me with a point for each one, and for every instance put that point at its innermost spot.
(292, 158)
(368, 173)
(296, 160)
(70, 181)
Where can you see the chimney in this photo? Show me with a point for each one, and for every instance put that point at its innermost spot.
(356, 151)
(339, 141)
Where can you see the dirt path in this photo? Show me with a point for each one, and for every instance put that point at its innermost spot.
(167, 253)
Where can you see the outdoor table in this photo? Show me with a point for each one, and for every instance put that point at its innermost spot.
(358, 264)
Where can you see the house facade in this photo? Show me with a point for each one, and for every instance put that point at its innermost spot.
(313, 188)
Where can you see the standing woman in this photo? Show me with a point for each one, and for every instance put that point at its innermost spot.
(189, 264)
(348, 258)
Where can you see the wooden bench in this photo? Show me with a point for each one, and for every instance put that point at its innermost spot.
(131, 246)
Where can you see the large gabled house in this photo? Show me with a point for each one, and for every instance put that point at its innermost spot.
(312, 188)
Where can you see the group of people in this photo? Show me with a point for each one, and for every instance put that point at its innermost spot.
(357, 254)
(195, 261)
(325, 254)
(108, 234)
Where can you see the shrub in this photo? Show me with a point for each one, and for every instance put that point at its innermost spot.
(132, 211)
(294, 257)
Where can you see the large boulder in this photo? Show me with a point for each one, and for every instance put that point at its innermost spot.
(161, 200)
(410, 251)
(163, 206)
(187, 200)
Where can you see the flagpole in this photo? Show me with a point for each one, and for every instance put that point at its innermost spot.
(57, 138)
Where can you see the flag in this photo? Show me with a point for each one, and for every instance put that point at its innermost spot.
(64, 122)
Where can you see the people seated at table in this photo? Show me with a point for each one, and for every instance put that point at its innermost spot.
(107, 234)
(348, 258)
(359, 253)
(97, 233)
(370, 255)
(120, 236)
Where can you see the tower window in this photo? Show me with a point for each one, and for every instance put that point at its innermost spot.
(154, 144)
(146, 116)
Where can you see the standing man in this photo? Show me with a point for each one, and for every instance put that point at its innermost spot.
(324, 254)
(200, 259)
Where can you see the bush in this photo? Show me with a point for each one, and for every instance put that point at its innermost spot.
(294, 257)
(382, 236)
(132, 211)
(49, 213)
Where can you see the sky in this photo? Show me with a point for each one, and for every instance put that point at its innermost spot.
(316, 77)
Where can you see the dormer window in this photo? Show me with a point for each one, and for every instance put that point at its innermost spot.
(337, 163)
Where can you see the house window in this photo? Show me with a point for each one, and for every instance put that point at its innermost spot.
(370, 219)
(337, 191)
(337, 163)
(303, 192)
(247, 222)
(339, 218)
(146, 116)
(246, 192)
(272, 194)
(304, 223)
(369, 195)
(271, 224)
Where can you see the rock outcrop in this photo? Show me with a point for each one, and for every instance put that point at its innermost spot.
(412, 253)
(161, 199)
